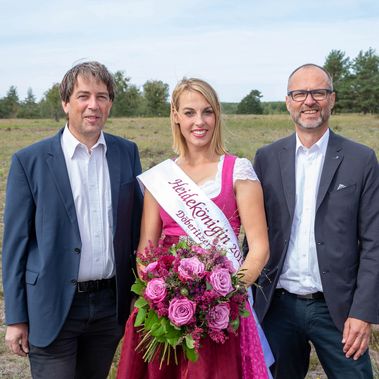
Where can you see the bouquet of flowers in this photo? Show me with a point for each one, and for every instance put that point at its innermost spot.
(186, 293)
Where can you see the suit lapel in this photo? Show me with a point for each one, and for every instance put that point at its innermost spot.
(114, 168)
(58, 170)
(287, 168)
(333, 158)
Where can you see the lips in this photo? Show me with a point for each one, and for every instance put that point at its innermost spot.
(310, 111)
(92, 118)
(199, 132)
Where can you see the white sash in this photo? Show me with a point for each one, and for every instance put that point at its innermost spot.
(191, 208)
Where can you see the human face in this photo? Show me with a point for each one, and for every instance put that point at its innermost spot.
(310, 114)
(196, 119)
(88, 109)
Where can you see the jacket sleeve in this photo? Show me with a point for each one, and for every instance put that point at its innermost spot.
(365, 304)
(19, 236)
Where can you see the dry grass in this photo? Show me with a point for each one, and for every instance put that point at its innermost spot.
(243, 135)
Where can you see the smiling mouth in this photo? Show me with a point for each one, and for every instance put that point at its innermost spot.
(199, 133)
(310, 111)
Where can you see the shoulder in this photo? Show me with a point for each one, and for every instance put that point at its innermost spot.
(349, 145)
(38, 148)
(279, 144)
(120, 141)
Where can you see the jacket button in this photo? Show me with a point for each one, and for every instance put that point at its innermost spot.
(77, 250)
(73, 281)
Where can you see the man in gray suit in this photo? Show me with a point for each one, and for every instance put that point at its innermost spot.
(72, 218)
(321, 194)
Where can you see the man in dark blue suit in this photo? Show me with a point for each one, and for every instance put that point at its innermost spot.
(72, 218)
(321, 194)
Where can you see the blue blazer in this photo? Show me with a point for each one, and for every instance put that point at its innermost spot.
(41, 245)
(346, 225)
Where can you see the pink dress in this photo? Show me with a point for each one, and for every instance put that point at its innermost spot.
(241, 356)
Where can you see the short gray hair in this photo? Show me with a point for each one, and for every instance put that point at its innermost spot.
(311, 65)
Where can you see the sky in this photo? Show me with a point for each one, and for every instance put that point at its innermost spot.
(235, 45)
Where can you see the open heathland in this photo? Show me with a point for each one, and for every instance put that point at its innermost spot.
(243, 136)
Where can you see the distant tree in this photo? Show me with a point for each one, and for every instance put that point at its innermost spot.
(29, 107)
(51, 105)
(9, 105)
(251, 104)
(366, 81)
(156, 94)
(128, 98)
(338, 65)
(274, 107)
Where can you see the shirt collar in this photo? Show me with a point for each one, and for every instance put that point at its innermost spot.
(320, 145)
(71, 143)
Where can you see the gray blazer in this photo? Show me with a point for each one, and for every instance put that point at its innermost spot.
(41, 245)
(346, 225)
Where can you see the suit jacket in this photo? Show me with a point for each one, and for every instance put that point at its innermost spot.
(41, 245)
(346, 225)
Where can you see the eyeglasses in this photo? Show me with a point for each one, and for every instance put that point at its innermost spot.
(302, 94)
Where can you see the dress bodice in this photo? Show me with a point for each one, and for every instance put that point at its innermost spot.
(225, 200)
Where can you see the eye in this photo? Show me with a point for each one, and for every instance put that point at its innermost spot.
(208, 111)
(189, 113)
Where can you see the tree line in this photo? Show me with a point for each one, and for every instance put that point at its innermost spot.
(356, 82)
(130, 101)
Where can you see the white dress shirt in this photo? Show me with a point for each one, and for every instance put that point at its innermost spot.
(90, 185)
(300, 274)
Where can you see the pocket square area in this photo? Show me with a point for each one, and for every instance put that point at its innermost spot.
(340, 186)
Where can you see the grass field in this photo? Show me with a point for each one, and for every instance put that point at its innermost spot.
(243, 136)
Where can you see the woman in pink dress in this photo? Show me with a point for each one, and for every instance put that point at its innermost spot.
(231, 183)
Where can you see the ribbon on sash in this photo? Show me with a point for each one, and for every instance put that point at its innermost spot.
(190, 207)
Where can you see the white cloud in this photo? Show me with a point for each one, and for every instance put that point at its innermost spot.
(236, 46)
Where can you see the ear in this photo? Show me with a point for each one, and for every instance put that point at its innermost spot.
(288, 101)
(66, 107)
(176, 116)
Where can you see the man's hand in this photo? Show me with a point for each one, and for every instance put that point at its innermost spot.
(16, 338)
(356, 337)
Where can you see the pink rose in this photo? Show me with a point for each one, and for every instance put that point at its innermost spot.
(156, 290)
(221, 281)
(218, 317)
(181, 311)
(190, 268)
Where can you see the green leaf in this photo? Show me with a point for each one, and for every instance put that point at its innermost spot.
(141, 302)
(189, 341)
(190, 354)
(141, 315)
(151, 319)
(235, 324)
(138, 286)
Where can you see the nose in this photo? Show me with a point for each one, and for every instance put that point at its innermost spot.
(309, 100)
(199, 119)
(92, 103)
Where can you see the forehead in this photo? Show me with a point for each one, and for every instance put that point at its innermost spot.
(190, 98)
(89, 83)
(308, 78)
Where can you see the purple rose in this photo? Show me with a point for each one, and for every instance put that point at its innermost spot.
(221, 281)
(190, 268)
(181, 311)
(218, 317)
(156, 290)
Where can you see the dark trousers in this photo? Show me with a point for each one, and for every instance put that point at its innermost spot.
(289, 326)
(85, 347)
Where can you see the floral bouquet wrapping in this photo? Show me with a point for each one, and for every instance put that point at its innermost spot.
(186, 293)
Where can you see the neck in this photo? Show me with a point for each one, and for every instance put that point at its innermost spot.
(309, 137)
(193, 158)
